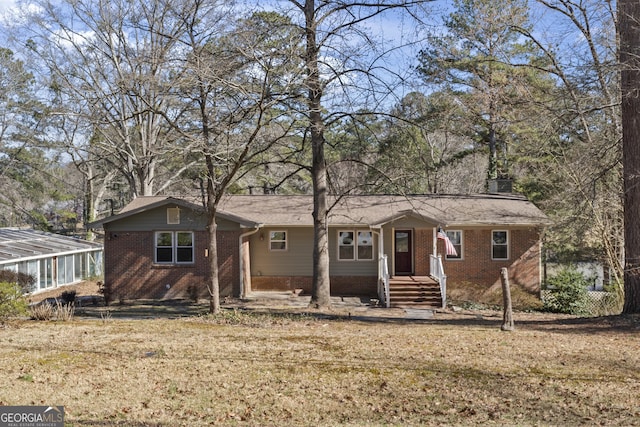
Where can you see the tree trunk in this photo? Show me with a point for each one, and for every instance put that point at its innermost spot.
(89, 207)
(214, 283)
(628, 16)
(507, 313)
(321, 287)
(492, 171)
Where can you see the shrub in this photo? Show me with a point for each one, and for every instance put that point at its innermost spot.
(42, 311)
(48, 311)
(68, 297)
(25, 281)
(12, 302)
(567, 292)
(64, 312)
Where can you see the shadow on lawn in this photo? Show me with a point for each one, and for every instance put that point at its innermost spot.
(545, 322)
(592, 325)
(143, 309)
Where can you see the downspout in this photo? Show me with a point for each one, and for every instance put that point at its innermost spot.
(381, 276)
(435, 242)
(378, 233)
(241, 258)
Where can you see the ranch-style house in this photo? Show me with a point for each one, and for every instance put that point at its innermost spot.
(389, 247)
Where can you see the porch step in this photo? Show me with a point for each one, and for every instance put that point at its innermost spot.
(414, 291)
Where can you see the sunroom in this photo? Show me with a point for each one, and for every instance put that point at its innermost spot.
(53, 260)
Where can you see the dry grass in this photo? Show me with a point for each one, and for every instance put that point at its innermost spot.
(472, 294)
(282, 368)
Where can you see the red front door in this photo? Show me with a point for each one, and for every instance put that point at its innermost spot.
(403, 253)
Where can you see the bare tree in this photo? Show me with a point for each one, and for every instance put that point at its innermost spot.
(344, 69)
(238, 88)
(438, 154)
(111, 64)
(578, 157)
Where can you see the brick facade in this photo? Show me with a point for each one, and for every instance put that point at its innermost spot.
(423, 248)
(131, 273)
(477, 266)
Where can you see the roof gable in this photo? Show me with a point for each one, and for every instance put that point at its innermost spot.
(144, 204)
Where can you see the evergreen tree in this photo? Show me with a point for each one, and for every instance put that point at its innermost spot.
(484, 63)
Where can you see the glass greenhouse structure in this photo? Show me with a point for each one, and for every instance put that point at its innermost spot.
(52, 259)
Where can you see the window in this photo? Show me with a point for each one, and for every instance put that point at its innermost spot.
(164, 247)
(174, 247)
(278, 240)
(80, 266)
(46, 273)
(95, 263)
(455, 236)
(499, 245)
(365, 245)
(346, 245)
(65, 270)
(184, 247)
(352, 248)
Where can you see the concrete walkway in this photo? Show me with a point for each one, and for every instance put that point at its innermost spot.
(353, 306)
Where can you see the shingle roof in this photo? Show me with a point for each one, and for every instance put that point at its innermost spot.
(17, 244)
(481, 209)
(376, 210)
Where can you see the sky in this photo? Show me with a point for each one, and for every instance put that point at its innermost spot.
(5, 4)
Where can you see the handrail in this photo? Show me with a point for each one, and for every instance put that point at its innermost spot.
(383, 281)
(437, 272)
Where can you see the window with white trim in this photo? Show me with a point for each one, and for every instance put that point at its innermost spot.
(346, 245)
(355, 245)
(500, 244)
(365, 245)
(278, 240)
(174, 247)
(455, 236)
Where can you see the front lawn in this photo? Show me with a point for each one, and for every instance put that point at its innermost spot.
(279, 368)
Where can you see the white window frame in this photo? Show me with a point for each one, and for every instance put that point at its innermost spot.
(342, 243)
(174, 247)
(355, 245)
(191, 246)
(459, 247)
(358, 245)
(272, 234)
(494, 244)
